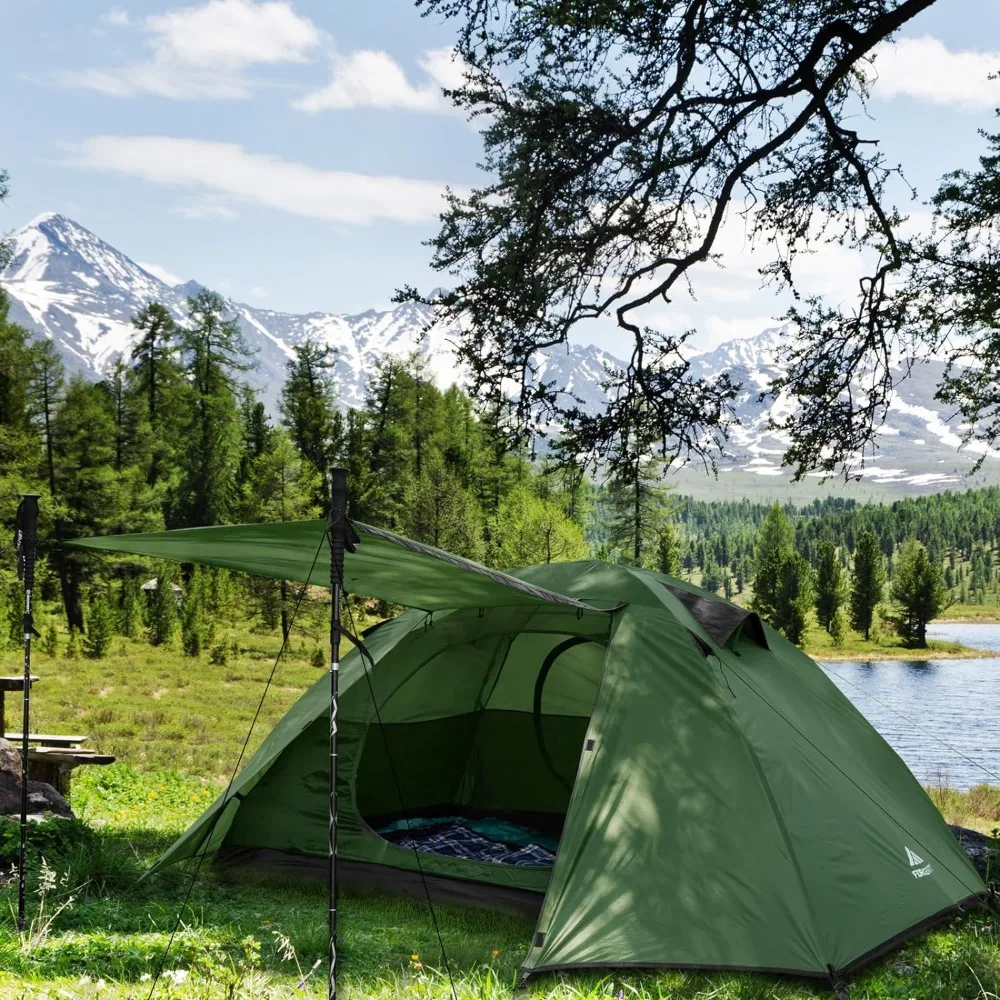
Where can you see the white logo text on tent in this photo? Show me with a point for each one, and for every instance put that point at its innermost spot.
(913, 860)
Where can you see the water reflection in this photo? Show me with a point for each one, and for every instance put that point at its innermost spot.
(957, 701)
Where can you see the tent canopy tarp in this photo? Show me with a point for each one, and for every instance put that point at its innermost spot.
(385, 565)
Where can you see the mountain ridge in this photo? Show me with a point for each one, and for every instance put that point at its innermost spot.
(66, 283)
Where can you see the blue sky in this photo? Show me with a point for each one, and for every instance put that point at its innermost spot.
(291, 154)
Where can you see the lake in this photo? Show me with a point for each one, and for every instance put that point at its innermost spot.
(957, 701)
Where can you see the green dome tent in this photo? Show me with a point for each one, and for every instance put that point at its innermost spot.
(718, 802)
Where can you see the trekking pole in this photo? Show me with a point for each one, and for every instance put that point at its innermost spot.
(24, 545)
(337, 531)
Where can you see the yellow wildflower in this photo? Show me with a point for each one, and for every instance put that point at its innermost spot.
(495, 953)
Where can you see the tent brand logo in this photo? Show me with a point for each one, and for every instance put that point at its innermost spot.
(916, 862)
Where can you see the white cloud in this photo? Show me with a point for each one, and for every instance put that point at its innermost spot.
(205, 206)
(926, 69)
(373, 79)
(234, 34)
(116, 18)
(203, 51)
(168, 277)
(227, 170)
(258, 293)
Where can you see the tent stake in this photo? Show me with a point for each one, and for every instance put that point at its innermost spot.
(337, 534)
(24, 544)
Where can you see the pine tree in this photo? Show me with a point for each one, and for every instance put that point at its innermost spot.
(918, 593)
(638, 505)
(19, 439)
(161, 614)
(528, 530)
(829, 585)
(868, 583)
(193, 632)
(774, 549)
(281, 486)
(129, 608)
(100, 627)
(711, 575)
(307, 405)
(437, 510)
(668, 550)
(155, 386)
(49, 643)
(256, 433)
(214, 353)
(794, 598)
(46, 394)
(11, 615)
(388, 438)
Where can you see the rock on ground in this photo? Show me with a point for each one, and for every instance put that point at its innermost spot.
(978, 847)
(42, 797)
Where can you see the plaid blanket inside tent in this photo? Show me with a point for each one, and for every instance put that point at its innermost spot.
(454, 839)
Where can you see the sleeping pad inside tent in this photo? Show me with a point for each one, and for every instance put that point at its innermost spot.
(671, 782)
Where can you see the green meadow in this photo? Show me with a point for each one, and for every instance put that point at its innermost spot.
(177, 724)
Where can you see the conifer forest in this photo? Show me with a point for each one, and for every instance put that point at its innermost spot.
(175, 437)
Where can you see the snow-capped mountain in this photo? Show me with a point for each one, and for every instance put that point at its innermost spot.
(918, 445)
(67, 284)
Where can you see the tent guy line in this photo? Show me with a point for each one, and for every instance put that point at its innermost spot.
(916, 725)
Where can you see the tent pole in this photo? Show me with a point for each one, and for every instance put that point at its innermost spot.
(337, 534)
(24, 544)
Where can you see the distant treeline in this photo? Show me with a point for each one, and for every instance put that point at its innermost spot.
(961, 532)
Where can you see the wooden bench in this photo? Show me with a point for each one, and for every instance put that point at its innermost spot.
(52, 758)
(46, 739)
(54, 765)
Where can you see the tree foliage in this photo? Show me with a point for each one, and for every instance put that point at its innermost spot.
(307, 405)
(829, 586)
(782, 578)
(774, 549)
(918, 593)
(868, 583)
(618, 138)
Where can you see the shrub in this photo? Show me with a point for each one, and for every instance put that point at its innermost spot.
(162, 612)
(129, 609)
(49, 643)
(73, 645)
(192, 627)
(100, 627)
(318, 658)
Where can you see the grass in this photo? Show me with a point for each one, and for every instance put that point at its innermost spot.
(988, 612)
(157, 708)
(178, 724)
(978, 808)
(232, 941)
(883, 646)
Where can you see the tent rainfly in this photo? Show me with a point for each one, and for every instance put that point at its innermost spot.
(709, 798)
